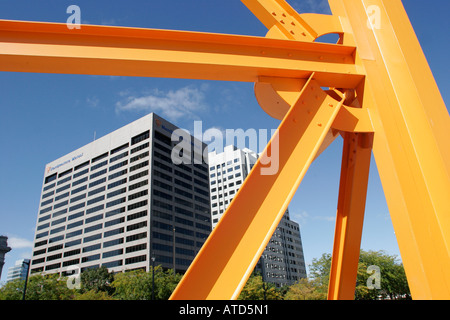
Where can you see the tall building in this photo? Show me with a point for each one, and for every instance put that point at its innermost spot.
(19, 270)
(120, 201)
(282, 261)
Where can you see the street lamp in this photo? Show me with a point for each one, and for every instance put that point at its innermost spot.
(153, 277)
(27, 263)
(173, 249)
(263, 269)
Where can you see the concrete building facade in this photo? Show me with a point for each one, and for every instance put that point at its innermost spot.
(282, 262)
(121, 200)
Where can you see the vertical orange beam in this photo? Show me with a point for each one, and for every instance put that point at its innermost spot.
(356, 155)
(411, 142)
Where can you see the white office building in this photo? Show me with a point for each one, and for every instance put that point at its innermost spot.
(282, 261)
(120, 201)
(18, 271)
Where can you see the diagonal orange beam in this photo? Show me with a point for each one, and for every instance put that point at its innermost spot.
(230, 253)
(103, 50)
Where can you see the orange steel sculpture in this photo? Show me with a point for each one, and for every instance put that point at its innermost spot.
(382, 97)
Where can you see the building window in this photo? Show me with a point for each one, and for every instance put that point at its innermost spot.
(101, 164)
(112, 253)
(163, 138)
(140, 137)
(112, 264)
(50, 178)
(138, 148)
(135, 259)
(115, 150)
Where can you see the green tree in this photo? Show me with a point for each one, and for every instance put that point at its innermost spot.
(92, 295)
(319, 272)
(132, 285)
(393, 283)
(138, 284)
(255, 288)
(97, 279)
(12, 290)
(305, 289)
(166, 282)
(48, 287)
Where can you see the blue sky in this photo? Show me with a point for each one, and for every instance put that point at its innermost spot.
(45, 116)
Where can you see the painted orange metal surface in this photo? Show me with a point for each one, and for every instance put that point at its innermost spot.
(355, 166)
(229, 255)
(382, 95)
(411, 145)
(120, 51)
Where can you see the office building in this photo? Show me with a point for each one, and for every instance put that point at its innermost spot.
(120, 201)
(18, 271)
(282, 261)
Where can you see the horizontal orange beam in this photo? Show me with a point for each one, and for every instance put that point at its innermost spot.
(122, 51)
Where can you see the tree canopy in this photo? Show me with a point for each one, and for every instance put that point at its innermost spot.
(380, 276)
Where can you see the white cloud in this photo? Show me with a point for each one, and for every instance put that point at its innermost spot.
(326, 218)
(303, 217)
(19, 243)
(173, 104)
(92, 101)
(300, 218)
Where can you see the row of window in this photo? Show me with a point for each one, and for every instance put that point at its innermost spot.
(134, 140)
(115, 175)
(127, 239)
(235, 160)
(219, 173)
(70, 234)
(231, 176)
(93, 257)
(79, 223)
(110, 264)
(81, 205)
(166, 146)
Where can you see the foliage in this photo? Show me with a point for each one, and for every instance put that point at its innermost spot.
(92, 295)
(39, 287)
(393, 284)
(392, 275)
(133, 285)
(305, 289)
(48, 287)
(256, 289)
(138, 284)
(320, 273)
(96, 280)
(99, 284)
(12, 290)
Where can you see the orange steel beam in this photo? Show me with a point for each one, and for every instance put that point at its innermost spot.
(390, 91)
(356, 155)
(121, 51)
(411, 144)
(230, 253)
